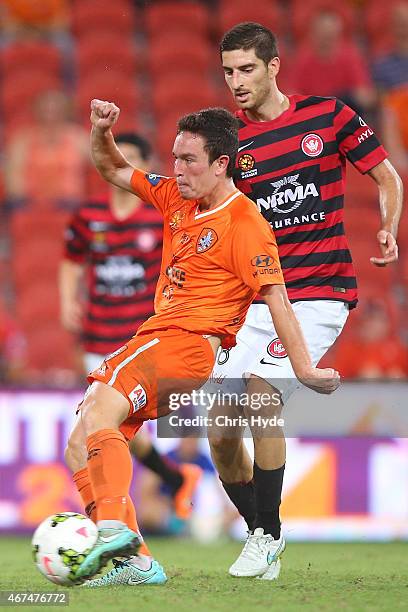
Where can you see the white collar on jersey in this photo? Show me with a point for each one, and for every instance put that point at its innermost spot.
(220, 207)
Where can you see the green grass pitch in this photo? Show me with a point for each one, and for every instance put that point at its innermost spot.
(356, 577)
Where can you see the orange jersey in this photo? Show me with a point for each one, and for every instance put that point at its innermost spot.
(214, 262)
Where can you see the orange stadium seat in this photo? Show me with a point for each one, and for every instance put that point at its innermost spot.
(100, 54)
(23, 56)
(369, 275)
(165, 135)
(103, 17)
(36, 259)
(265, 12)
(107, 86)
(169, 51)
(377, 15)
(302, 12)
(77, 5)
(182, 95)
(19, 92)
(360, 190)
(187, 16)
(353, 221)
(40, 13)
(37, 302)
(403, 225)
(40, 339)
(30, 224)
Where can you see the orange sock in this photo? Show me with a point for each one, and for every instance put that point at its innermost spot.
(131, 522)
(110, 472)
(83, 484)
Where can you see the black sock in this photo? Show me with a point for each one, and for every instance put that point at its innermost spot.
(242, 496)
(168, 471)
(268, 490)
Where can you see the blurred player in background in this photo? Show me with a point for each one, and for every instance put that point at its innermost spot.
(116, 244)
(291, 163)
(208, 256)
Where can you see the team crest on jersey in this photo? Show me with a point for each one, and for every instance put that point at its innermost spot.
(145, 240)
(138, 398)
(206, 240)
(177, 219)
(312, 145)
(276, 349)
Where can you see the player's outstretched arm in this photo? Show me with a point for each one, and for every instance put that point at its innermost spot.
(391, 195)
(109, 161)
(288, 329)
(70, 275)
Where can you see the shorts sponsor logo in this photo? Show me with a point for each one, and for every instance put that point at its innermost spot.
(116, 353)
(138, 398)
(312, 145)
(223, 356)
(154, 179)
(102, 369)
(206, 240)
(276, 349)
(264, 362)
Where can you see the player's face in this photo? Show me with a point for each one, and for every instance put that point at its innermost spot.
(196, 178)
(248, 77)
(132, 154)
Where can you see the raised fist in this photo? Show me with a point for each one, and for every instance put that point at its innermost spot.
(104, 114)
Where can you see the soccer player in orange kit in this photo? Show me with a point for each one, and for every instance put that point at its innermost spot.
(212, 268)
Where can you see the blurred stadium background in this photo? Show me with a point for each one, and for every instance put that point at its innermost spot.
(158, 60)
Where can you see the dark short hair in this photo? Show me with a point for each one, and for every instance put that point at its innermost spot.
(219, 128)
(251, 35)
(136, 140)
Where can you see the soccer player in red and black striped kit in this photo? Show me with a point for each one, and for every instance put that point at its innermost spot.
(291, 163)
(117, 243)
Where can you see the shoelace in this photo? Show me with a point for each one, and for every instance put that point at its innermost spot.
(254, 545)
(118, 565)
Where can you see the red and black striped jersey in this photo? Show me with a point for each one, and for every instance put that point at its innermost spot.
(123, 259)
(294, 169)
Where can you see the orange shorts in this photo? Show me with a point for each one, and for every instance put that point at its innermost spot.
(150, 367)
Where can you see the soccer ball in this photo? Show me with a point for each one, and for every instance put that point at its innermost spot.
(61, 543)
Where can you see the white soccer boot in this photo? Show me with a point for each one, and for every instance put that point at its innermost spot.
(260, 556)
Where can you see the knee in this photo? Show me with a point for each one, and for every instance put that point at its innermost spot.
(103, 407)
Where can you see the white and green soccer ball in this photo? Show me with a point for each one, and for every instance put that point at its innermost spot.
(61, 543)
